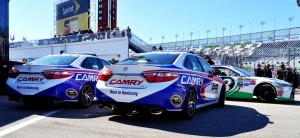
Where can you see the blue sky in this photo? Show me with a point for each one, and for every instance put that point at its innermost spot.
(34, 19)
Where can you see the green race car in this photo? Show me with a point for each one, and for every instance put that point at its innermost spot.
(242, 84)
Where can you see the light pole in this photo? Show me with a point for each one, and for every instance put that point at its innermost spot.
(290, 19)
(191, 33)
(162, 40)
(176, 35)
(241, 26)
(150, 40)
(250, 32)
(216, 36)
(199, 38)
(12, 38)
(207, 32)
(183, 39)
(262, 23)
(230, 34)
(223, 29)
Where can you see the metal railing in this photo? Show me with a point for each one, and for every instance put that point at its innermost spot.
(256, 37)
(69, 39)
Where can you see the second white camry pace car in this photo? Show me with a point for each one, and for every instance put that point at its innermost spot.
(160, 81)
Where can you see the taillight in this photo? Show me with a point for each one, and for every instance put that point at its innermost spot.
(13, 72)
(57, 74)
(104, 74)
(159, 76)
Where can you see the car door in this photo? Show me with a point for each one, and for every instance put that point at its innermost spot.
(231, 79)
(214, 87)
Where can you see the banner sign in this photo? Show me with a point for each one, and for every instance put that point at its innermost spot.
(71, 16)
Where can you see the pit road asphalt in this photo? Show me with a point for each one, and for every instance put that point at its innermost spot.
(239, 118)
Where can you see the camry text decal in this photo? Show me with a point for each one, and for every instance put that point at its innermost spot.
(191, 80)
(125, 82)
(86, 77)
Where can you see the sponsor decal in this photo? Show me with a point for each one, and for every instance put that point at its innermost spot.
(191, 80)
(72, 93)
(27, 88)
(32, 79)
(280, 92)
(240, 82)
(119, 92)
(246, 84)
(252, 82)
(86, 77)
(125, 82)
(215, 87)
(176, 100)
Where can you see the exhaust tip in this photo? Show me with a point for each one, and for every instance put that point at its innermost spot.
(156, 111)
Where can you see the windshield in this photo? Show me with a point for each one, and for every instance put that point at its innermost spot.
(246, 73)
(53, 60)
(164, 58)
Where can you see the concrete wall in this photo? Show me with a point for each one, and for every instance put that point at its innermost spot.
(109, 48)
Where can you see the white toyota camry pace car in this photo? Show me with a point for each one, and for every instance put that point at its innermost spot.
(160, 81)
(56, 78)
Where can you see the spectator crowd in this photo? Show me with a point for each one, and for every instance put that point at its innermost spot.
(285, 73)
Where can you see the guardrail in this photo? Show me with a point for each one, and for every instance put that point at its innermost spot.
(69, 39)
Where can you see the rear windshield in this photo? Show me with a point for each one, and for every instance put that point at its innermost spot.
(54, 60)
(149, 59)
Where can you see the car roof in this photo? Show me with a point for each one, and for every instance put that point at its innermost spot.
(224, 66)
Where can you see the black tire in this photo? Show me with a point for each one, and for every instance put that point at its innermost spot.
(221, 102)
(86, 96)
(189, 106)
(265, 93)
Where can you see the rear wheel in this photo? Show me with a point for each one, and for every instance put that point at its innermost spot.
(189, 106)
(86, 96)
(266, 93)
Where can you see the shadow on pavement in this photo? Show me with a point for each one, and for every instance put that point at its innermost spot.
(211, 121)
(11, 112)
(254, 100)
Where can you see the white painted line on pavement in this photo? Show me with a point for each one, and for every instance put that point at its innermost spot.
(16, 127)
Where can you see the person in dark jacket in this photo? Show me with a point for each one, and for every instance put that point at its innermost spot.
(288, 75)
(209, 61)
(295, 78)
(258, 71)
(267, 71)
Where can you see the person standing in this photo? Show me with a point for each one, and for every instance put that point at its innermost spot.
(128, 31)
(288, 75)
(160, 48)
(295, 78)
(209, 61)
(268, 71)
(258, 71)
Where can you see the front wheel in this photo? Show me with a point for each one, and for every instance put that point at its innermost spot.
(189, 106)
(86, 96)
(266, 93)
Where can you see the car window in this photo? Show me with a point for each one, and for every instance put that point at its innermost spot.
(154, 58)
(92, 63)
(187, 64)
(104, 62)
(192, 63)
(206, 67)
(53, 60)
(227, 72)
